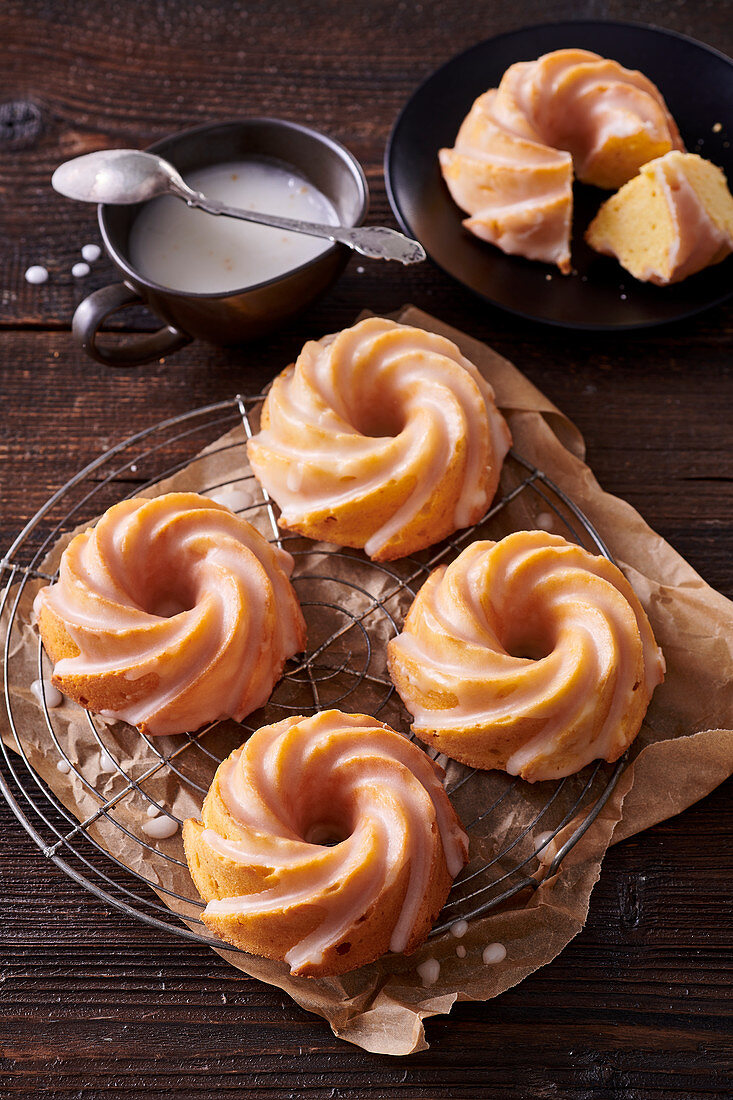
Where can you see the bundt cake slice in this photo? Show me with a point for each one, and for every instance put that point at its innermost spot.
(674, 219)
(518, 192)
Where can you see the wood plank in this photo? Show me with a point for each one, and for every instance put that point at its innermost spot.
(644, 979)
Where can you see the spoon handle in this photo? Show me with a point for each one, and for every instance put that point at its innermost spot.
(376, 242)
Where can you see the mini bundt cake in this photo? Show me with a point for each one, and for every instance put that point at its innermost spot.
(530, 655)
(673, 219)
(382, 436)
(170, 613)
(511, 168)
(325, 842)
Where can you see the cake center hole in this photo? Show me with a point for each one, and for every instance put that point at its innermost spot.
(529, 651)
(167, 604)
(379, 419)
(528, 641)
(325, 833)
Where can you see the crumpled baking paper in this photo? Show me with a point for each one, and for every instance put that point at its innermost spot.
(684, 750)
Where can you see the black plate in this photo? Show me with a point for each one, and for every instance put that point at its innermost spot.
(697, 83)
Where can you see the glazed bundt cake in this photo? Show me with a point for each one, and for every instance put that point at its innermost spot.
(170, 613)
(517, 191)
(670, 221)
(382, 436)
(511, 168)
(530, 655)
(325, 842)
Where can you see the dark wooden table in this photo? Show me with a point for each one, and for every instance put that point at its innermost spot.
(97, 1004)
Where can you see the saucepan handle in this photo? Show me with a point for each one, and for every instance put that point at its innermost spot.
(137, 349)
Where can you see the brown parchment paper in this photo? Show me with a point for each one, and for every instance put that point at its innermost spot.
(684, 750)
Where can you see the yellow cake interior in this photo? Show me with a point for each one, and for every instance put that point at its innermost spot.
(671, 220)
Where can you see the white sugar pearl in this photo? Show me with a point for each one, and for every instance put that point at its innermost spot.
(80, 270)
(494, 953)
(545, 521)
(63, 766)
(429, 971)
(461, 951)
(91, 252)
(459, 928)
(36, 274)
(160, 827)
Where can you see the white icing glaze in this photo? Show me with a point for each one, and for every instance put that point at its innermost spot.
(237, 618)
(429, 971)
(186, 249)
(53, 696)
(583, 700)
(376, 408)
(493, 953)
(234, 497)
(294, 479)
(36, 274)
(106, 762)
(160, 828)
(387, 794)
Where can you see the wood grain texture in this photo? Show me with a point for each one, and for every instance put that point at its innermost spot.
(96, 1004)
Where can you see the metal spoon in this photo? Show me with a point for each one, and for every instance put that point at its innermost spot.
(126, 176)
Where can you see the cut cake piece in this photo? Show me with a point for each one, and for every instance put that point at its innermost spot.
(673, 219)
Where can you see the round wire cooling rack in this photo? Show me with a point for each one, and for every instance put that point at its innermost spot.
(89, 819)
